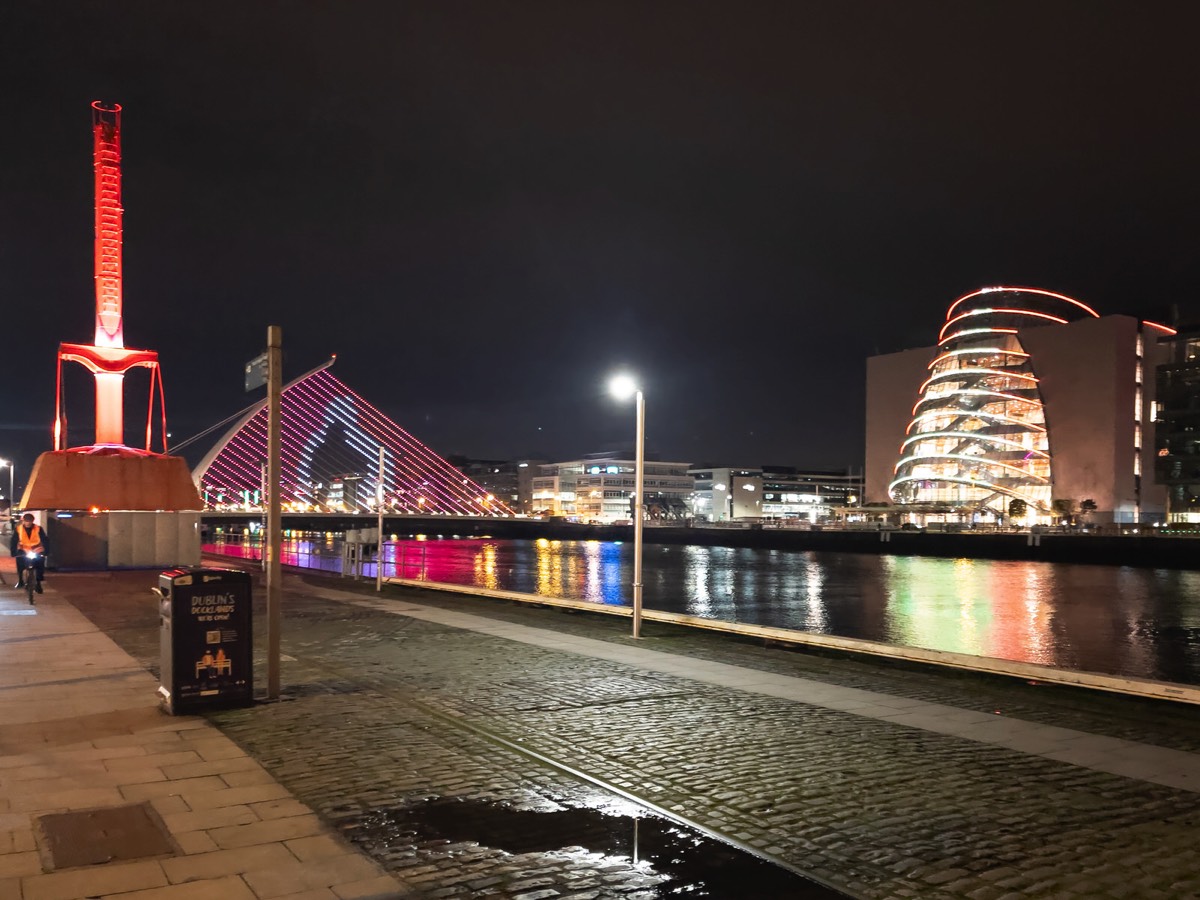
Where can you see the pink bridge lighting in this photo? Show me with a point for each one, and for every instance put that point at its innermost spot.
(330, 459)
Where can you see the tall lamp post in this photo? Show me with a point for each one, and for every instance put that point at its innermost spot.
(11, 466)
(622, 387)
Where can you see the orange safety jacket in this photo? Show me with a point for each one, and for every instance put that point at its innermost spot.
(29, 538)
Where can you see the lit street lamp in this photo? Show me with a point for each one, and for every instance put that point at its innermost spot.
(622, 387)
(11, 466)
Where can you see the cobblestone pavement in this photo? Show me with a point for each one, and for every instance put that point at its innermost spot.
(386, 716)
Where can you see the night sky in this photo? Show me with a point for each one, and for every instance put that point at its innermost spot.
(484, 209)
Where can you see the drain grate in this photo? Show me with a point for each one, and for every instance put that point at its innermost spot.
(95, 836)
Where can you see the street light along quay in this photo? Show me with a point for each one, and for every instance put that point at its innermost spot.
(12, 465)
(622, 387)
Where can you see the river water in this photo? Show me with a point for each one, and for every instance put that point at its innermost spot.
(1115, 620)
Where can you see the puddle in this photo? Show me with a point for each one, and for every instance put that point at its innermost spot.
(684, 862)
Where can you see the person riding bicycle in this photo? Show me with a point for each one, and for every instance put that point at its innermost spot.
(29, 537)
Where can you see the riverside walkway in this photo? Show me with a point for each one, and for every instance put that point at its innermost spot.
(469, 747)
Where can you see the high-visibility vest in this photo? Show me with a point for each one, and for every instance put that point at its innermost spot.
(29, 539)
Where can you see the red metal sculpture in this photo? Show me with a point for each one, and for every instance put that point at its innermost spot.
(108, 359)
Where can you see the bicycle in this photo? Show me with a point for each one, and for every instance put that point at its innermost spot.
(32, 557)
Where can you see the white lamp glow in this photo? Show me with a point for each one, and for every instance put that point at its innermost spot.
(623, 387)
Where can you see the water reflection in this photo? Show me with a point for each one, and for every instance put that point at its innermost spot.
(696, 561)
(1134, 622)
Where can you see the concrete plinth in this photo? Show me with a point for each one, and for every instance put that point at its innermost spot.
(123, 539)
(110, 477)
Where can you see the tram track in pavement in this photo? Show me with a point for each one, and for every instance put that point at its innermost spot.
(820, 889)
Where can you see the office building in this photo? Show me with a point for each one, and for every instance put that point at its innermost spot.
(773, 493)
(599, 488)
(1177, 426)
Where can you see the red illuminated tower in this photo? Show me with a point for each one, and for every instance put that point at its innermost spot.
(108, 359)
(106, 154)
(108, 475)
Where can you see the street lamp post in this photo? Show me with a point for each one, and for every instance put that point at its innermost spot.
(623, 386)
(11, 466)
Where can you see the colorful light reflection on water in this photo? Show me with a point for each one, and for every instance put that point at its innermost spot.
(1122, 621)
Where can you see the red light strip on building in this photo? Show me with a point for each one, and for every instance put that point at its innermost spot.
(981, 461)
(999, 310)
(973, 414)
(1165, 329)
(969, 482)
(971, 436)
(1023, 290)
(977, 351)
(967, 331)
(973, 370)
(975, 392)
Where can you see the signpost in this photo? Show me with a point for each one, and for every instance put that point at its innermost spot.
(256, 372)
(379, 523)
(274, 536)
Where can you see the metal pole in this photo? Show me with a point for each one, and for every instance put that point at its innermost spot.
(262, 508)
(379, 526)
(274, 533)
(639, 513)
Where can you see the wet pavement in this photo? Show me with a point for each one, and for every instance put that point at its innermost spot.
(607, 837)
(475, 761)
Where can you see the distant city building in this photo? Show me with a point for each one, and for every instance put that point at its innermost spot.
(1028, 396)
(498, 478)
(727, 493)
(527, 471)
(350, 493)
(508, 480)
(598, 488)
(1177, 426)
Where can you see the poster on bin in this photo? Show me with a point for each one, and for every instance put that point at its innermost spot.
(213, 652)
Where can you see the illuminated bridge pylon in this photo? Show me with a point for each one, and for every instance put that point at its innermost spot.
(330, 460)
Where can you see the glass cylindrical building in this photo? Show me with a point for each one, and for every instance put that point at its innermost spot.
(978, 438)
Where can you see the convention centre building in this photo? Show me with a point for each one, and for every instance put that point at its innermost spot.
(1028, 395)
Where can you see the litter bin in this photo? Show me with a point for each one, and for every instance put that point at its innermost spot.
(205, 639)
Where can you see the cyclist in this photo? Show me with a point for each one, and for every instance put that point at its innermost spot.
(29, 536)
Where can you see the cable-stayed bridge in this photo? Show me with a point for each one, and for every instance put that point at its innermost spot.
(331, 439)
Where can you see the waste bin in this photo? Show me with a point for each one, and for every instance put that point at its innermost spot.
(205, 639)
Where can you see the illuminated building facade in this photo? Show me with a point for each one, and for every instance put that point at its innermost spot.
(599, 488)
(725, 493)
(330, 460)
(1028, 396)
(772, 492)
(1177, 426)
